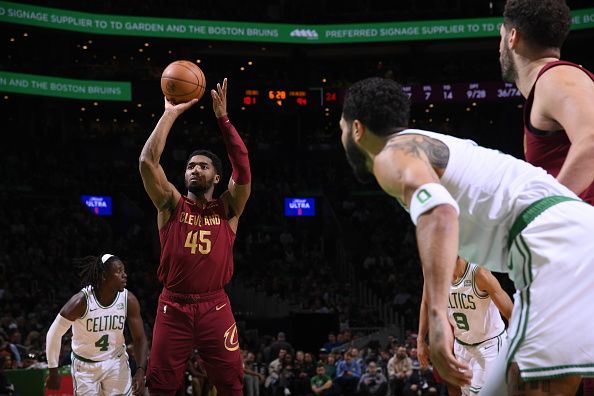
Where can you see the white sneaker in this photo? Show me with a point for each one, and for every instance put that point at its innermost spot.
(287, 392)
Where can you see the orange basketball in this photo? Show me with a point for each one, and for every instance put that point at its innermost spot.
(183, 81)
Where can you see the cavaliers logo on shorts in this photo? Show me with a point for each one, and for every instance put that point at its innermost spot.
(231, 339)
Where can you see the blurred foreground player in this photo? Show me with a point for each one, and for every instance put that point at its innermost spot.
(197, 233)
(97, 315)
(476, 298)
(495, 210)
(558, 116)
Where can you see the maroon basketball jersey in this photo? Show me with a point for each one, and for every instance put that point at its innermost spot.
(545, 149)
(196, 248)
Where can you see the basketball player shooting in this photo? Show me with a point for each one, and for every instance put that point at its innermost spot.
(197, 232)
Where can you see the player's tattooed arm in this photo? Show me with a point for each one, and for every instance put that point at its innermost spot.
(407, 162)
(435, 151)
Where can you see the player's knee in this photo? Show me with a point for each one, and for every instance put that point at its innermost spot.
(227, 382)
(163, 382)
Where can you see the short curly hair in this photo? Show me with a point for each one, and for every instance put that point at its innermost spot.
(380, 104)
(216, 161)
(543, 23)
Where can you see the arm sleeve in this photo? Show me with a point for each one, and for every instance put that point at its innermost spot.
(339, 369)
(236, 150)
(53, 340)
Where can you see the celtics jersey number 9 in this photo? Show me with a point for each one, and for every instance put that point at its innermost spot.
(471, 312)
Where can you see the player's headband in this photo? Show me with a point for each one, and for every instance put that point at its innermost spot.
(106, 257)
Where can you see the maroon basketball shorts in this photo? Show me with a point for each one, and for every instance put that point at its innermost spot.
(188, 321)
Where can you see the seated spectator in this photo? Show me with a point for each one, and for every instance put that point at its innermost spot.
(286, 378)
(274, 370)
(321, 383)
(348, 374)
(10, 352)
(399, 371)
(251, 377)
(330, 366)
(280, 343)
(373, 383)
(331, 343)
(421, 382)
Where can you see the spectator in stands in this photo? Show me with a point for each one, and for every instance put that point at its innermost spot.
(323, 355)
(10, 352)
(348, 374)
(286, 380)
(16, 339)
(331, 343)
(274, 369)
(330, 366)
(358, 359)
(280, 343)
(307, 371)
(414, 359)
(373, 383)
(321, 383)
(399, 371)
(6, 387)
(421, 382)
(252, 378)
(382, 361)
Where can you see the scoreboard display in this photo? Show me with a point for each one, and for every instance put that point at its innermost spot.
(461, 92)
(290, 98)
(418, 94)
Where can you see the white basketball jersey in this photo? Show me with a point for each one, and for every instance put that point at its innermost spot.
(99, 334)
(491, 189)
(471, 312)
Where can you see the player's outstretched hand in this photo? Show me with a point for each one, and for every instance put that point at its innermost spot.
(442, 340)
(138, 383)
(178, 108)
(219, 99)
(53, 380)
(423, 353)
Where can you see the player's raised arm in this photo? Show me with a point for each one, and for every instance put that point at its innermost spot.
(163, 194)
(139, 341)
(240, 182)
(486, 282)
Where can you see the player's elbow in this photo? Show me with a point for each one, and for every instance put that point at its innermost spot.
(442, 215)
(145, 164)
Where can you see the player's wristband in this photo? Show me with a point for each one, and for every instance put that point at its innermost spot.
(429, 196)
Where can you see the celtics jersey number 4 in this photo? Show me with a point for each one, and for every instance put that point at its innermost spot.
(99, 334)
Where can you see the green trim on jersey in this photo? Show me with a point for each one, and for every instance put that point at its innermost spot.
(527, 270)
(475, 289)
(479, 343)
(457, 283)
(87, 308)
(564, 371)
(83, 359)
(523, 323)
(99, 304)
(588, 365)
(532, 212)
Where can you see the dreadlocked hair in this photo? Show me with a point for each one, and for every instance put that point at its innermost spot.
(91, 270)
